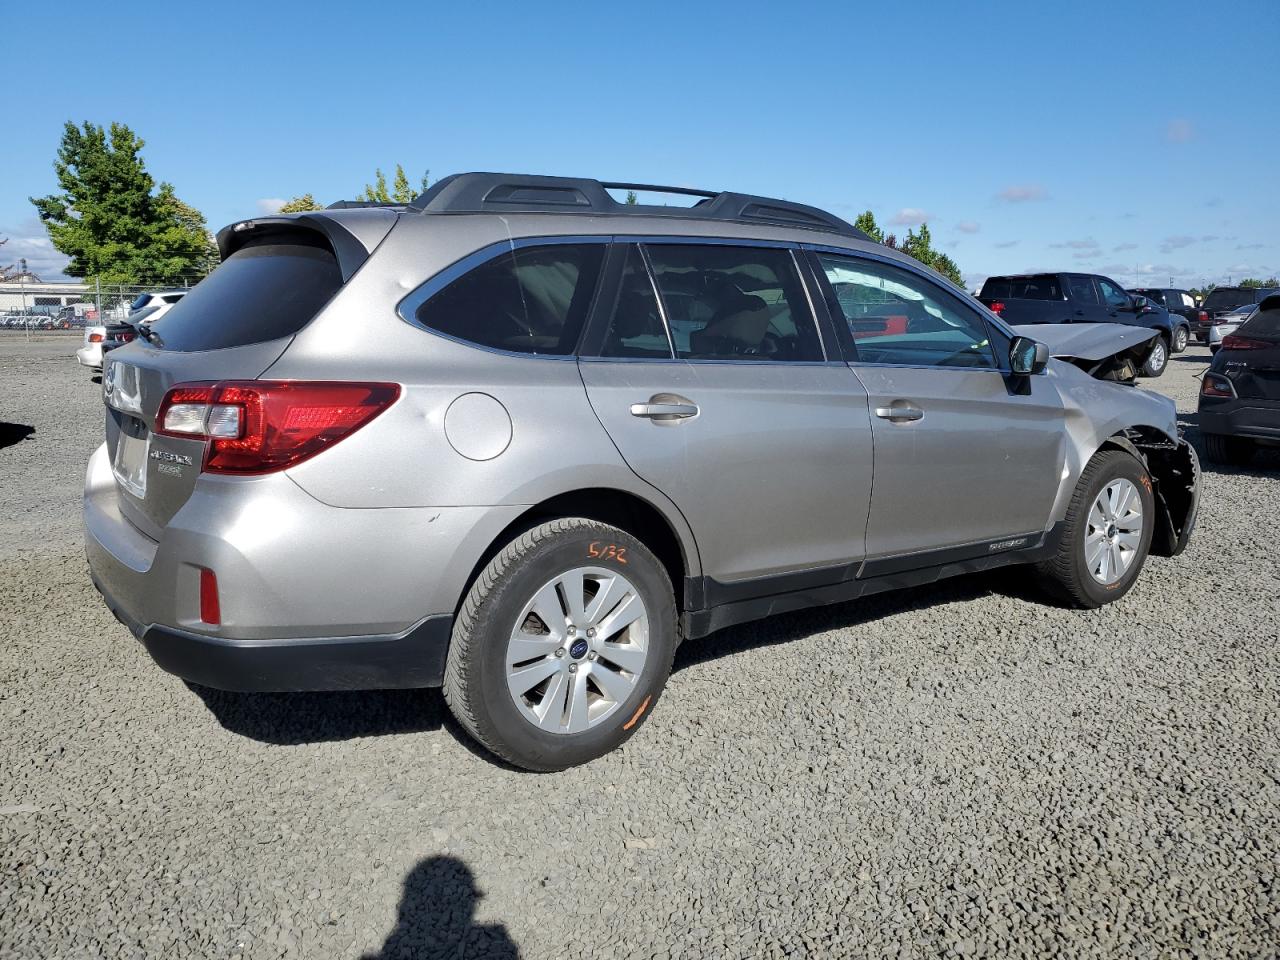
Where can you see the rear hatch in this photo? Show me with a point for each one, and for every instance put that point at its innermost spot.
(1252, 354)
(275, 277)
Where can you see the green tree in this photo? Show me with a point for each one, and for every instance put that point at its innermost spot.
(110, 217)
(401, 191)
(947, 267)
(866, 222)
(1253, 283)
(303, 204)
(632, 199)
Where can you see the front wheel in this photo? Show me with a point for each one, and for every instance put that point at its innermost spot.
(1107, 533)
(563, 645)
(1180, 338)
(1157, 359)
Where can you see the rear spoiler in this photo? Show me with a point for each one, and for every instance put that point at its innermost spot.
(350, 251)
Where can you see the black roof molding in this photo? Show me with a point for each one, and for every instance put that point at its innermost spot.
(527, 193)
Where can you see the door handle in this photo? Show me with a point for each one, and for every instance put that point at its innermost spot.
(665, 407)
(899, 411)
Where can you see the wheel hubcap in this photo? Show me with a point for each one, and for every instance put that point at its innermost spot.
(1157, 356)
(578, 649)
(1114, 532)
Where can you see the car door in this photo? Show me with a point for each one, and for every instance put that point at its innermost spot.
(1117, 305)
(707, 369)
(967, 458)
(1086, 304)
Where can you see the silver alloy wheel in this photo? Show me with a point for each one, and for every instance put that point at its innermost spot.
(577, 650)
(1158, 357)
(1114, 534)
(1180, 340)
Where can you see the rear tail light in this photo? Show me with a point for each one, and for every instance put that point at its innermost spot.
(1234, 342)
(95, 338)
(1203, 316)
(1216, 385)
(210, 610)
(125, 337)
(261, 426)
(997, 308)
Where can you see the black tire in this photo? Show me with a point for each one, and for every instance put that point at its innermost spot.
(1066, 574)
(1158, 359)
(475, 683)
(1181, 337)
(1232, 451)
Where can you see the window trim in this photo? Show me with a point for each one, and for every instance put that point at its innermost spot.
(408, 306)
(845, 336)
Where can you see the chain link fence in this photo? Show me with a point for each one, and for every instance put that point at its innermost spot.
(33, 307)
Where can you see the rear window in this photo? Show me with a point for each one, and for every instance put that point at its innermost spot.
(1228, 298)
(1155, 296)
(1043, 287)
(525, 300)
(268, 289)
(1265, 324)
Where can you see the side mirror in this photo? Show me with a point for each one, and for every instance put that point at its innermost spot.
(1027, 357)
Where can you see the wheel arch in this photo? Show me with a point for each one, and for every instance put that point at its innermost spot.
(1175, 475)
(671, 541)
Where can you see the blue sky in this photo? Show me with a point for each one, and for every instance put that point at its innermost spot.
(1134, 139)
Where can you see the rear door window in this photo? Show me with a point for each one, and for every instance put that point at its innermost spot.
(636, 329)
(734, 303)
(269, 288)
(529, 299)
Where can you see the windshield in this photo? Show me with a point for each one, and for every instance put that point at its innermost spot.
(1045, 286)
(1227, 298)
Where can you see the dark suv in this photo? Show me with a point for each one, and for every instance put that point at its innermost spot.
(1222, 300)
(1036, 298)
(1180, 303)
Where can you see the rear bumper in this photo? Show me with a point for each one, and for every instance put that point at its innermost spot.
(413, 658)
(90, 355)
(1246, 417)
(312, 597)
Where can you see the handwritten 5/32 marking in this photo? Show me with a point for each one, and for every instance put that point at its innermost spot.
(599, 550)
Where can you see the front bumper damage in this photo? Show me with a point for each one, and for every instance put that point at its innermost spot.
(1175, 480)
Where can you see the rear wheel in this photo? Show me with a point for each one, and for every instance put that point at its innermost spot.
(1180, 338)
(1157, 359)
(1234, 451)
(563, 645)
(1107, 533)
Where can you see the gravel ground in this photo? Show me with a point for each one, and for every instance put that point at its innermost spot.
(958, 771)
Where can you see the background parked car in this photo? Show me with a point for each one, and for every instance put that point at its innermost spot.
(1180, 303)
(157, 304)
(90, 353)
(1226, 324)
(1239, 406)
(1078, 298)
(1222, 300)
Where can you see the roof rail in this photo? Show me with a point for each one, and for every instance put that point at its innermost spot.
(526, 193)
(358, 204)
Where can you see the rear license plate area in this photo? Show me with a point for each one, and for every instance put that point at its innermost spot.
(129, 463)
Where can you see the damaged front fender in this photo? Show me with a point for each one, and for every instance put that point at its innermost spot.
(1175, 478)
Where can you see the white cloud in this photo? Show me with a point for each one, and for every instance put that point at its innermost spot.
(270, 205)
(1176, 243)
(1006, 245)
(29, 240)
(968, 226)
(1089, 244)
(1021, 193)
(1180, 131)
(1124, 246)
(911, 217)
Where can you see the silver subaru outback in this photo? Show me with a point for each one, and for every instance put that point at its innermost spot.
(520, 440)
